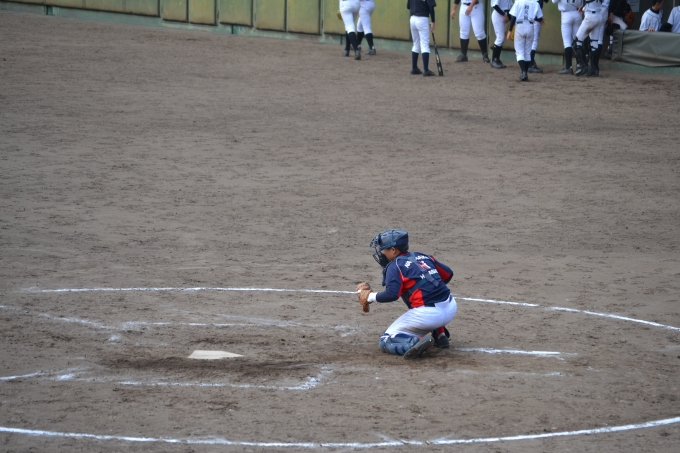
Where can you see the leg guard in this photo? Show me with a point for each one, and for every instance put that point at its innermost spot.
(398, 344)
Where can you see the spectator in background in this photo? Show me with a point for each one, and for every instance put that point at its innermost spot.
(651, 19)
(618, 9)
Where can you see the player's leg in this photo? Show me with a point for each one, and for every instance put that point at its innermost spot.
(360, 31)
(415, 50)
(533, 67)
(424, 30)
(411, 327)
(499, 30)
(464, 23)
(477, 20)
(596, 48)
(583, 31)
(349, 9)
(367, 8)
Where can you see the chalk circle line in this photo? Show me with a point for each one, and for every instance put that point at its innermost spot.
(357, 445)
(328, 291)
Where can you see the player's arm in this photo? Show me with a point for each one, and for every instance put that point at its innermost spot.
(393, 284)
(454, 8)
(431, 4)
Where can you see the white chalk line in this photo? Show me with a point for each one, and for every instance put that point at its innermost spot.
(74, 375)
(358, 445)
(326, 291)
(136, 325)
(555, 354)
(361, 445)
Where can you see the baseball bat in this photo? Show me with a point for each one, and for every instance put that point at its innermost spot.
(436, 53)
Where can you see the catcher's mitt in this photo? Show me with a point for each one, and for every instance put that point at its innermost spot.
(364, 290)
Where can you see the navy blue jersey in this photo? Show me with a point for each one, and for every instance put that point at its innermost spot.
(421, 7)
(406, 280)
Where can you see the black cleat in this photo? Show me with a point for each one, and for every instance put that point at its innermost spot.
(583, 70)
(371, 51)
(419, 348)
(357, 55)
(593, 73)
(428, 73)
(535, 70)
(523, 77)
(345, 53)
(461, 59)
(485, 57)
(416, 71)
(497, 64)
(569, 71)
(442, 342)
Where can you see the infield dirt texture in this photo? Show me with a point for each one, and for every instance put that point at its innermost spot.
(136, 157)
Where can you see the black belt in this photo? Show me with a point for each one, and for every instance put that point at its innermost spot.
(466, 4)
(522, 21)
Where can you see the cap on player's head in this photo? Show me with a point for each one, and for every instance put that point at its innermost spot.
(388, 239)
(656, 2)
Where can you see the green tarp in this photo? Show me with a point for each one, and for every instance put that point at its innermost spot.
(655, 49)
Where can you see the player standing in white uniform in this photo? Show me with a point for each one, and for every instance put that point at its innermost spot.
(674, 20)
(364, 26)
(473, 16)
(591, 25)
(523, 14)
(349, 9)
(420, 32)
(538, 26)
(571, 21)
(499, 17)
(651, 19)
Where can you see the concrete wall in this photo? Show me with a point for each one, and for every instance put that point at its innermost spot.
(315, 17)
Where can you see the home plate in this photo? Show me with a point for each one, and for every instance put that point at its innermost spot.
(212, 355)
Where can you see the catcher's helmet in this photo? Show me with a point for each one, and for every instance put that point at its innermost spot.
(387, 239)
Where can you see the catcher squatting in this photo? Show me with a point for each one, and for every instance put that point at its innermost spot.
(420, 281)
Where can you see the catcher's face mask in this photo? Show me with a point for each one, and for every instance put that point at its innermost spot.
(387, 239)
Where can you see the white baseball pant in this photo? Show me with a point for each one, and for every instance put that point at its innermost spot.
(620, 22)
(420, 32)
(590, 25)
(349, 9)
(365, 11)
(423, 320)
(537, 34)
(475, 19)
(603, 24)
(524, 37)
(571, 21)
(498, 27)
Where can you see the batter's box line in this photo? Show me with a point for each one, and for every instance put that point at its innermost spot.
(73, 375)
(325, 291)
(356, 445)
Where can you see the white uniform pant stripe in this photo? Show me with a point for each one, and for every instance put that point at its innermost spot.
(349, 9)
(423, 320)
(498, 27)
(420, 32)
(571, 21)
(475, 19)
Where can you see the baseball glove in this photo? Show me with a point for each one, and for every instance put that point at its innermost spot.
(339, 15)
(364, 290)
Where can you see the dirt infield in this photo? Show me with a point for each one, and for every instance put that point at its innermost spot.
(153, 158)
